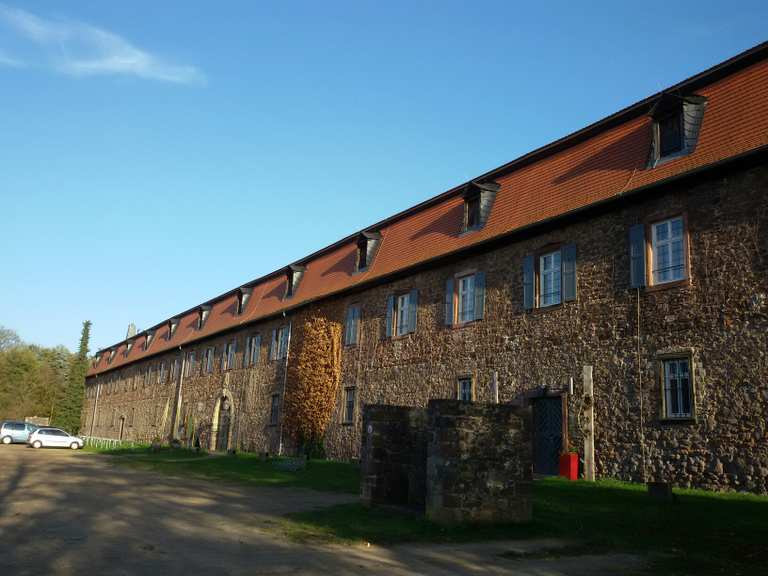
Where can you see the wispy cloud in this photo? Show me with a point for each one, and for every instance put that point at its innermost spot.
(80, 49)
(10, 61)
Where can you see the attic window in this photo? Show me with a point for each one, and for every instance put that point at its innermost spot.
(243, 295)
(148, 339)
(478, 200)
(173, 323)
(202, 315)
(367, 244)
(293, 275)
(676, 124)
(128, 346)
(97, 359)
(111, 355)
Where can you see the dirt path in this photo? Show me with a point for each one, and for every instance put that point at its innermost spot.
(67, 513)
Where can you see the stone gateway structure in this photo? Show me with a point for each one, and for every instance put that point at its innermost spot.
(637, 246)
(456, 461)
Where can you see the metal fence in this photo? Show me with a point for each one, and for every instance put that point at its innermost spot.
(108, 443)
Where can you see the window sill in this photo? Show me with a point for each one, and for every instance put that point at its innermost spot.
(669, 285)
(678, 420)
(674, 156)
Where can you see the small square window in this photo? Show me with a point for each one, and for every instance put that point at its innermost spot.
(274, 410)
(349, 405)
(678, 389)
(465, 392)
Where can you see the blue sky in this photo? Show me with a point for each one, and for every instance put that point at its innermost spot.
(156, 154)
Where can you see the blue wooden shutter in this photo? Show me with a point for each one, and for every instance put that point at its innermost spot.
(568, 262)
(273, 345)
(528, 282)
(284, 343)
(449, 302)
(390, 314)
(479, 295)
(413, 309)
(348, 326)
(637, 256)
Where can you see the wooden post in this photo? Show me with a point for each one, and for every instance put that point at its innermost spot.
(589, 428)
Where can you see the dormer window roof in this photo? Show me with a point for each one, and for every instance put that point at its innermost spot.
(97, 359)
(128, 347)
(148, 336)
(243, 295)
(478, 201)
(202, 315)
(676, 124)
(367, 245)
(173, 323)
(293, 275)
(111, 355)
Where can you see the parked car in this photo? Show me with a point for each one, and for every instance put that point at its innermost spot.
(18, 432)
(54, 438)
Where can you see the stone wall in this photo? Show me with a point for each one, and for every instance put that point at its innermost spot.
(479, 462)
(457, 461)
(393, 456)
(719, 317)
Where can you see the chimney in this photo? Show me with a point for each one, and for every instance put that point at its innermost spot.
(131, 331)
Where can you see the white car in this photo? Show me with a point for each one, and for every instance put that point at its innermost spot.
(54, 438)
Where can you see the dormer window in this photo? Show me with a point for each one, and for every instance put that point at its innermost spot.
(173, 323)
(128, 347)
(367, 244)
(148, 338)
(97, 359)
(202, 315)
(478, 200)
(293, 275)
(676, 124)
(243, 295)
(111, 355)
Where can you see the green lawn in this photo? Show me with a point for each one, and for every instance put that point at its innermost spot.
(700, 533)
(243, 469)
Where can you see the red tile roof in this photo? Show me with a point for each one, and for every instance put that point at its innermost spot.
(600, 162)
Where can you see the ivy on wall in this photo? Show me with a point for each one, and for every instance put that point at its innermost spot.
(313, 380)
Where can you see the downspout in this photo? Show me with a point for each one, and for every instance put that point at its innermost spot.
(285, 379)
(95, 405)
(177, 406)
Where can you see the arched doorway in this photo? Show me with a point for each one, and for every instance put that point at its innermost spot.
(223, 424)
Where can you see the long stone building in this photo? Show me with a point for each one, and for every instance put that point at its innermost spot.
(637, 246)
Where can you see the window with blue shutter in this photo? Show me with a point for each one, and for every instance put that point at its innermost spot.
(637, 256)
(449, 310)
(569, 272)
(528, 282)
(413, 309)
(390, 316)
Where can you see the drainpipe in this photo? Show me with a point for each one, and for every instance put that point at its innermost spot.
(285, 379)
(95, 405)
(177, 406)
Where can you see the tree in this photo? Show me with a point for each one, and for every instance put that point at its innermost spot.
(8, 339)
(69, 407)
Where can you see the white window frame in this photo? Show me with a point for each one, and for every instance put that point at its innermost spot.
(672, 368)
(550, 279)
(190, 364)
(229, 354)
(664, 248)
(465, 290)
(210, 354)
(402, 312)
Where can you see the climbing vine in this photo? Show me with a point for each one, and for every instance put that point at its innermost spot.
(313, 381)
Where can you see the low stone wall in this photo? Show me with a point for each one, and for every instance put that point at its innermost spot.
(394, 454)
(456, 461)
(479, 462)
